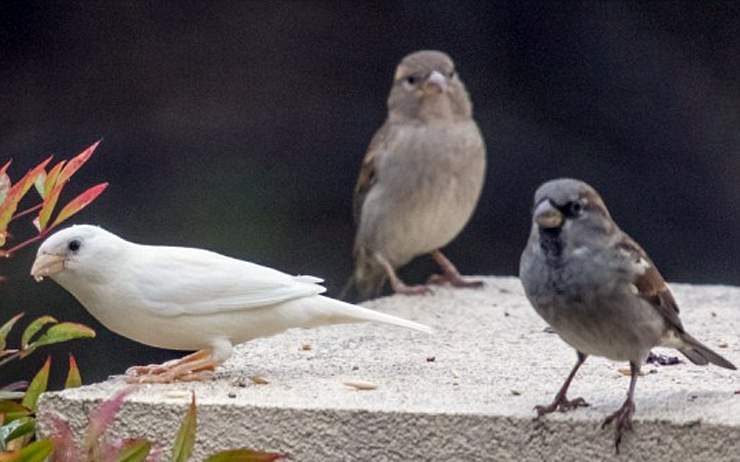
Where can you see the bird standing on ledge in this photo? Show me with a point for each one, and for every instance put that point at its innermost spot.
(599, 291)
(420, 180)
(187, 299)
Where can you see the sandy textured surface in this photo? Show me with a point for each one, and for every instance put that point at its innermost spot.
(465, 393)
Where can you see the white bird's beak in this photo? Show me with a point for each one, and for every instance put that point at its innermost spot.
(47, 265)
(436, 83)
(547, 216)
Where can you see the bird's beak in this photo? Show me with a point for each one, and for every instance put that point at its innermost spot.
(47, 265)
(546, 215)
(436, 83)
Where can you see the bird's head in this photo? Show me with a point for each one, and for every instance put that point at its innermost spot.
(427, 87)
(75, 250)
(571, 210)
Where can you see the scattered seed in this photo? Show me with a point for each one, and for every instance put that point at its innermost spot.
(232, 395)
(306, 346)
(259, 380)
(431, 359)
(177, 394)
(360, 384)
(723, 344)
(455, 374)
(628, 372)
(516, 392)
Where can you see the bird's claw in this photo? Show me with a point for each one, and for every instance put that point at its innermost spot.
(403, 289)
(456, 281)
(622, 420)
(561, 405)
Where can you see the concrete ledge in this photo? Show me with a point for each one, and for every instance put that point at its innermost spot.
(465, 393)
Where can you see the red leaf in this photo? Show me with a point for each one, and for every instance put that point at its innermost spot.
(50, 201)
(16, 193)
(77, 162)
(78, 203)
(103, 416)
(5, 167)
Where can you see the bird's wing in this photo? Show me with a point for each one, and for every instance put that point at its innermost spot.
(174, 281)
(368, 173)
(650, 283)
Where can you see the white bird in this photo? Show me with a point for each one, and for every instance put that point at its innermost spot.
(187, 299)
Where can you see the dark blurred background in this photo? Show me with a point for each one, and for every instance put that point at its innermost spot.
(240, 127)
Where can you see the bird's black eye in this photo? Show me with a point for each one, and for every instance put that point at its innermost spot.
(74, 245)
(411, 80)
(451, 75)
(575, 209)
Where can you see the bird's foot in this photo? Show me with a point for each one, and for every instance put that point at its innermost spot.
(198, 366)
(454, 280)
(403, 289)
(450, 274)
(622, 420)
(561, 404)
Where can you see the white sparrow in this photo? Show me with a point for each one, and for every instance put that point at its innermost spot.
(421, 177)
(598, 290)
(187, 299)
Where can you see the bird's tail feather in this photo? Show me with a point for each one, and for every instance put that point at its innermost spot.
(346, 312)
(701, 354)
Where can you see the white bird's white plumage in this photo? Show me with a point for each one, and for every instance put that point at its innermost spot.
(185, 298)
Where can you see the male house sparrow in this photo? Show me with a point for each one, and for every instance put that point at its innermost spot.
(599, 291)
(420, 179)
(187, 299)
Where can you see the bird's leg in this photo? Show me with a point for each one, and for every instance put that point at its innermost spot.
(193, 367)
(623, 417)
(397, 284)
(561, 402)
(450, 274)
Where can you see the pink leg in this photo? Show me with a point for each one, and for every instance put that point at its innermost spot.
(561, 402)
(450, 274)
(397, 284)
(194, 367)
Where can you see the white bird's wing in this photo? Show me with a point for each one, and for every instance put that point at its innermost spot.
(175, 280)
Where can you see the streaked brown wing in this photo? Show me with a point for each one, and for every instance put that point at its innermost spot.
(368, 176)
(650, 284)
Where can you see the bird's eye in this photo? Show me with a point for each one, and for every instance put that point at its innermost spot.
(451, 75)
(576, 208)
(74, 245)
(411, 80)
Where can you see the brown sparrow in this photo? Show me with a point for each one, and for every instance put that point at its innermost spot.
(599, 291)
(421, 177)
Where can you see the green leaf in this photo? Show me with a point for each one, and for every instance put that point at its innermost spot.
(6, 328)
(74, 379)
(39, 183)
(34, 452)
(24, 426)
(245, 455)
(79, 203)
(62, 332)
(34, 327)
(37, 386)
(4, 186)
(134, 451)
(12, 410)
(185, 441)
(51, 178)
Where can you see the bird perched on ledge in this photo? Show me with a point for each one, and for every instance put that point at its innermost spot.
(420, 180)
(187, 299)
(599, 291)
